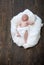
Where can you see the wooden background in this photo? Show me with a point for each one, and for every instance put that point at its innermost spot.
(10, 53)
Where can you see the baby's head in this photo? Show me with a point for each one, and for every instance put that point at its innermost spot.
(25, 17)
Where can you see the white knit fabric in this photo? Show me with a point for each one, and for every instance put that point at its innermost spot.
(33, 30)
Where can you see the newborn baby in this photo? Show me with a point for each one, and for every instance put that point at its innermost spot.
(25, 29)
(24, 23)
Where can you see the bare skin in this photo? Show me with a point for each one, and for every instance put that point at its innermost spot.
(24, 23)
(26, 36)
(25, 18)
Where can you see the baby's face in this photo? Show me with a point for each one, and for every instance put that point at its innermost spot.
(25, 18)
(24, 21)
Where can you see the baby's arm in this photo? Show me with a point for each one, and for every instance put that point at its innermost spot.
(31, 23)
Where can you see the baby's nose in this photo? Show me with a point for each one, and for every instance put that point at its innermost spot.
(25, 17)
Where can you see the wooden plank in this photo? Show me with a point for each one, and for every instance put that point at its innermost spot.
(10, 53)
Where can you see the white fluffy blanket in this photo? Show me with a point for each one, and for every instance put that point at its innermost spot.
(33, 30)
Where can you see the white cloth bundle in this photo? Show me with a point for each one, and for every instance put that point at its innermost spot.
(33, 30)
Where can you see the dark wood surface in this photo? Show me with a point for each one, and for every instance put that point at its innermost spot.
(10, 53)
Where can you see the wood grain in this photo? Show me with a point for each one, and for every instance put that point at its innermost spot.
(10, 53)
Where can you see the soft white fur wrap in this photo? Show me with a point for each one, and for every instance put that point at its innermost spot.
(33, 31)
